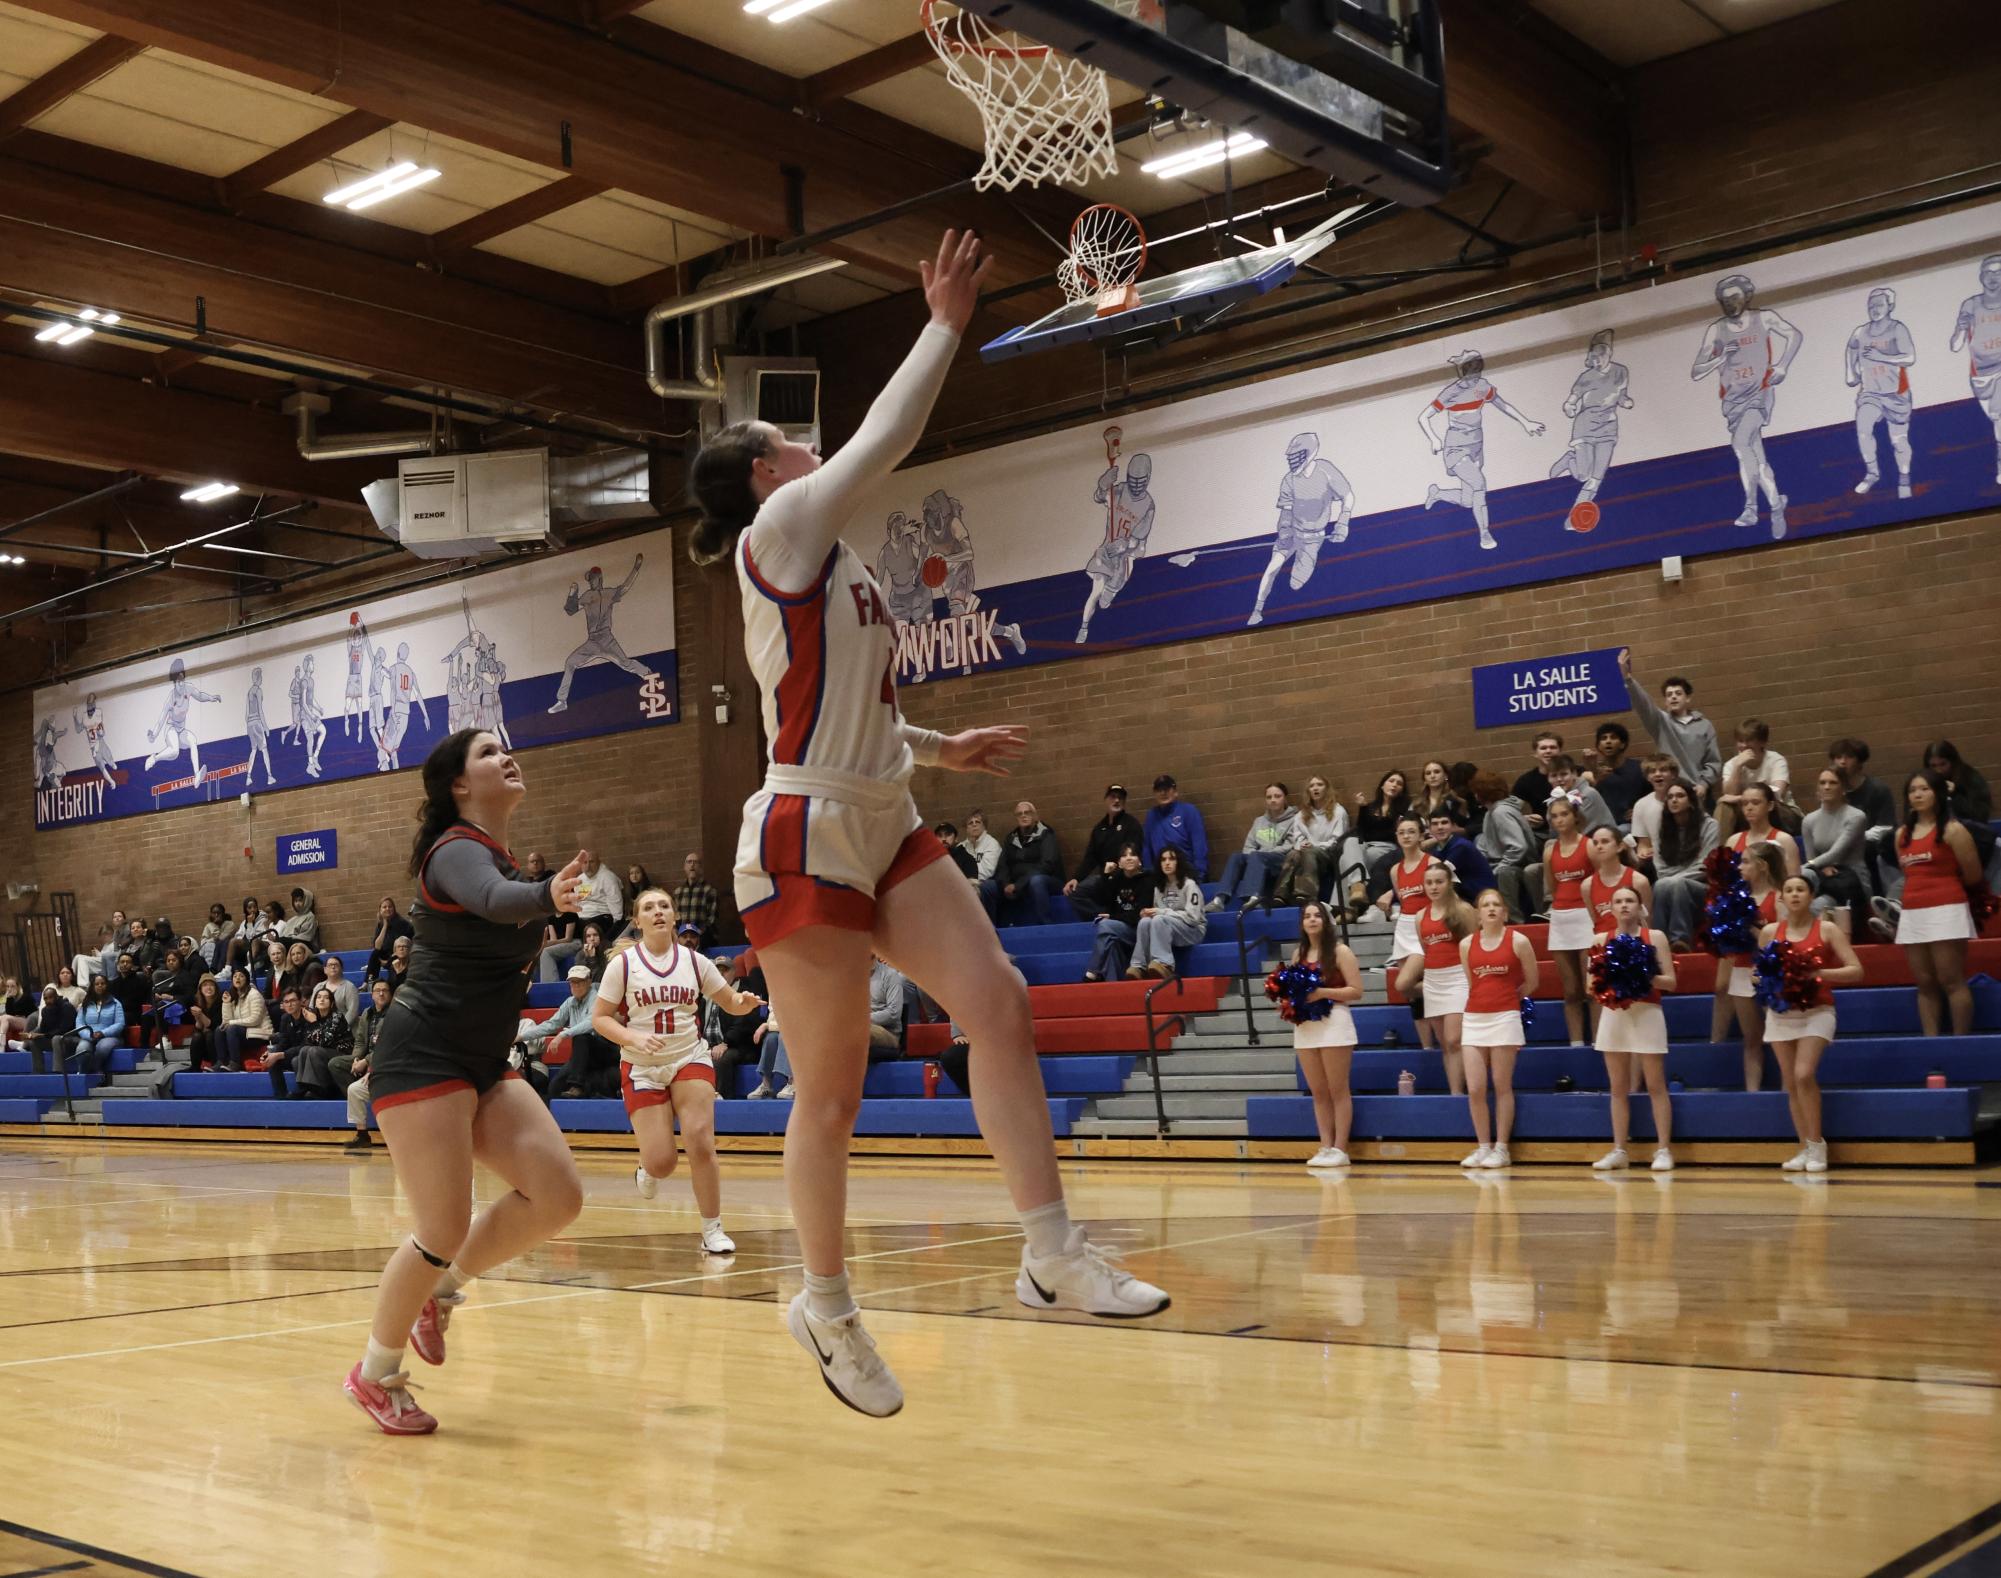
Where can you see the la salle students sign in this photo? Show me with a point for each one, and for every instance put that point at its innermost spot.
(1534, 689)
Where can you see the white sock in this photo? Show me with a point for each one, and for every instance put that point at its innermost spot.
(380, 1361)
(712, 1224)
(1048, 1229)
(828, 1297)
(451, 1279)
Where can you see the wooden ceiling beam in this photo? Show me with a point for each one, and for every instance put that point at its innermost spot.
(523, 210)
(300, 154)
(98, 58)
(865, 71)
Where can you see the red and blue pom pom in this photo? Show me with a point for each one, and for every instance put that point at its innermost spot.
(1730, 919)
(1622, 972)
(1290, 986)
(1788, 978)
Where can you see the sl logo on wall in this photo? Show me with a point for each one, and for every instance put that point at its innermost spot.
(536, 652)
(1851, 386)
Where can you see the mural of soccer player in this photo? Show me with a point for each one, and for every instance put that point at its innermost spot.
(1307, 498)
(1977, 331)
(899, 567)
(171, 735)
(357, 654)
(489, 674)
(258, 731)
(600, 645)
(48, 771)
(90, 729)
(1129, 511)
(378, 677)
(944, 537)
(404, 692)
(1463, 443)
(309, 718)
(1593, 406)
(1879, 358)
(1739, 348)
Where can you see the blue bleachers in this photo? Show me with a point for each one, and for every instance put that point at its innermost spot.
(123, 1061)
(47, 1087)
(265, 1114)
(21, 1109)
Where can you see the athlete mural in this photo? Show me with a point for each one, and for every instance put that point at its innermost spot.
(256, 732)
(1463, 443)
(1880, 356)
(48, 772)
(1314, 503)
(172, 734)
(921, 560)
(1977, 331)
(1750, 349)
(1129, 510)
(90, 727)
(1593, 406)
(351, 715)
(600, 643)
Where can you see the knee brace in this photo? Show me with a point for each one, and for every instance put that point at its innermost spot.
(428, 1256)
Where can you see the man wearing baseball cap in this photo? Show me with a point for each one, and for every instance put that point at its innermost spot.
(587, 1053)
(1117, 828)
(1175, 824)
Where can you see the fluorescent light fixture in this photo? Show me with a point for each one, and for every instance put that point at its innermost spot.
(208, 493)
(54, 331)
(80, 331)
(781, 10)
(106, 319)
(381, 186)
(1187, 160)
(70, 333)
(89, 314)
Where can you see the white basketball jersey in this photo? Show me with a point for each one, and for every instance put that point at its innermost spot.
(663, 996)
(825, 661)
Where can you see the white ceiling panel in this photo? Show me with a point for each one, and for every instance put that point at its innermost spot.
(1633, 32)
(837, 31)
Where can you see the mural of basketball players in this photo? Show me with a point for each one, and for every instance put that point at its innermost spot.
(309, 718)
(1129, 508)
(1977, 331)
(257, 731)
(1314, 504)
(90, 727)
(378, 677)
(600, 643)
(1749, 349)
(171, 735)
(899, 568)
(357, 655)
(944, 536)
(1462, 445)
(1593, 406)
(1879, 359)
(404, 692)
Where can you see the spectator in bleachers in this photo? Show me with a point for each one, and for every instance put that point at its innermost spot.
(390, 924)
(90, 962)
(1173, 823)
(1120, 899)
(251, 926)
(1463, 774)
(66, 983)
(1173, 919)
(350, 1073)
(1307, 873)
(772, 1063)
(1834, 843)
(215, 934)
(948, 834)
(1676, 726)
(637, 880)
(1501, 970)
(1109, 834)
(334, 970)
(696, 900)
(1757, 808)
(1941, 864)
(1434, 791)
(204, 1019)
(1031, 862)
(1682, 841)
(1764, 868)
(1661, 775)
(1444, 922)
(246, 1021)
(1326, 1047)
(602, 900)
(1510, 845)
(274, 911)
(174, 985)
(399, 963)
(593, 953)
(1471, 874)
(985, 851)
(1755, 763)
(1849, 756)
(1617, 777)
(589, 1055)
(134, 990)
(734, 1037)
(15, 1007)
(888, 1010)
(302, 973)
(1799, 1038)
(1638, 1031)
(100, 1026)
(1374, 844)
(288, 1034)
(328, 1036)
(1566, 864)
(1592, 811)
(1972, 801)
(277, 954)
(51, 1031)
(303, 924)
(1249, 873)
(143, 946)
(1534, 788)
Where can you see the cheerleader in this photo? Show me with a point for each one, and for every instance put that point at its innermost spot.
(1940, 866)
(1763, 869)
(1444, 921)
(1609, 874)
(1501, 970)
(1755, 809)
(1405, 901)
(1799, 1037)
(439, 1078)
(1566, 863)
(1637, 1031)
(649, 1006)
(1326, 1047)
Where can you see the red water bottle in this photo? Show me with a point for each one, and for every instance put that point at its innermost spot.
(930, 1080)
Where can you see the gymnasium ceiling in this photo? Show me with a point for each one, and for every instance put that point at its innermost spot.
(167, 160)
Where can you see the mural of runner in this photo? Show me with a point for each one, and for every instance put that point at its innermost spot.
(48, 771)
(1593, 406)
(1463, 444)
(90, 728)
(1309, 496)
(258, 731)
(1739, 348)
(1129, 510)
(600, 644)
(1977, 331)
(171, 735)
(1879, 359)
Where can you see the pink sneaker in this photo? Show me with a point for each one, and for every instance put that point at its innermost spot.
(389, 1403)
(428, 1335)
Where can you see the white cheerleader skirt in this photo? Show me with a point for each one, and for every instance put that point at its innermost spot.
(1815, 1022)
(1492, 1030)
(1638, 1027)
(1404, 943)
(1570, 931)
(1935, 923)
(1743, 978)
(1445, 991)
(1336, 1030)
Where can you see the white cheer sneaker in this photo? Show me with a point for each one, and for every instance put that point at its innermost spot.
(849, 1364)
(1088, 1278)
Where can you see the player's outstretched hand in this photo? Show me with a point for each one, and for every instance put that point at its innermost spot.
(565, 890)
(991, 751)
(952, 282)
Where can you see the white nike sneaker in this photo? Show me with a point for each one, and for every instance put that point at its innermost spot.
(716, 1242)
(648, 1185)
(1477, 1159)
(1088, 1278)
(1324, 1157)
(853, 1370)
(1613, 1161)
(1816, 1157)
(1497, 1156)
(1795, 1164)
(1663, 1160)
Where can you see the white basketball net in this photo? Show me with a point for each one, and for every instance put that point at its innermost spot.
(1048, 116)
(1107, 252)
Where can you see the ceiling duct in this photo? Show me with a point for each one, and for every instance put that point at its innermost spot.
(726, 286)
(306, 409)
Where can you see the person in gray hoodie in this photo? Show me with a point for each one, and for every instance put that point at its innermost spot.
(303, 924)
(1511, 846)
(1676, 726)
(1249, 873)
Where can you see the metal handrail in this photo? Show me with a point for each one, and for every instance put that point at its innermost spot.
(1154, 1030)
(1244, 970)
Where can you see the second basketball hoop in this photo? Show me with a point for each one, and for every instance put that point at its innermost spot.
(1107, 255)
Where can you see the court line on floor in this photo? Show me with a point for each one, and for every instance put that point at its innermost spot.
(183, 1309)
(1940, 1545)
(61, 1542)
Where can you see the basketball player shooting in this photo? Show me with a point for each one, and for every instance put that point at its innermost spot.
(1128, 523)
(1738, 348)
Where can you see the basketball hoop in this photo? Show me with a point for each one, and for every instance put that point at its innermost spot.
(1107, 253)
(1048, 117)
